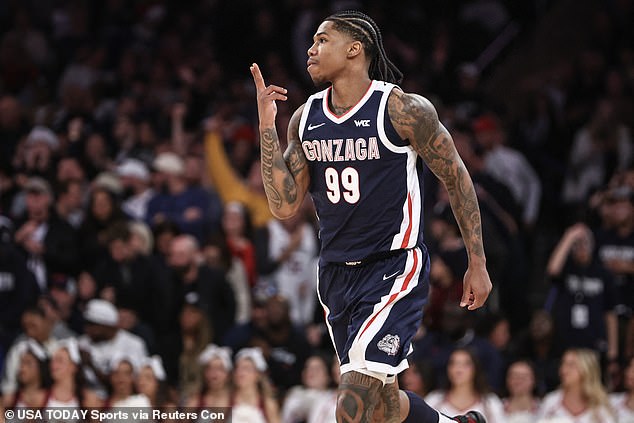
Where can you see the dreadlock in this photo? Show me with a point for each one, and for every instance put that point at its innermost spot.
(362, 28)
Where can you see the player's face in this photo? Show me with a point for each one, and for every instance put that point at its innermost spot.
(328, 53)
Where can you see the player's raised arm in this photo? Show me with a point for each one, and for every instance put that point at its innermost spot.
(285, 176)
(415, 118)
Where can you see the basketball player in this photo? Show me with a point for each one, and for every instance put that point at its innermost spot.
(358, 147)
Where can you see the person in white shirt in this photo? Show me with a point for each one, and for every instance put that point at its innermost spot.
(521, 406)
(135, 179)
(581, 397)
(467, 390)
(301, 399)
(103, 338)
(623, 402)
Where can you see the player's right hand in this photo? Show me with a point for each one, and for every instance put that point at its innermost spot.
(267, 96)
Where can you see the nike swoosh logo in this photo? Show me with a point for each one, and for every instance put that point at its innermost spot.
(311, 126)
(392, 275)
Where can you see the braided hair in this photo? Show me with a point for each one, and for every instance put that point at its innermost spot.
(362, 28)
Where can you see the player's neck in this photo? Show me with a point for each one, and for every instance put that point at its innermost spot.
(348, 91)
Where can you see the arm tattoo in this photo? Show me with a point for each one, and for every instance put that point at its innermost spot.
(391, 407)
(416, 118)
(270, 145)
(358, 395)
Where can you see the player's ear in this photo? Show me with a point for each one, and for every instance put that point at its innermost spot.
(354, 49)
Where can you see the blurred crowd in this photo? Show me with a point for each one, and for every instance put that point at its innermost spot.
(140, 265)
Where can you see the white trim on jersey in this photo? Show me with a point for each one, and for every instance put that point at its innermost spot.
(305, 112)
(407, 236)
(403, 285)
(352, 111)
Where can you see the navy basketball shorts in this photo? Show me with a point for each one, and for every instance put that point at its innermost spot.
(373, 310)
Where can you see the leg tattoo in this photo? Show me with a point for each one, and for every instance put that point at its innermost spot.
(358, 395)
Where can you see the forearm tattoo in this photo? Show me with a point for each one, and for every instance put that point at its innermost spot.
(358, 395)
(270, 147)
(416, 117)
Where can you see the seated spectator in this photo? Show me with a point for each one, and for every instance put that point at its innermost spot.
(236, 226)
(188, 207)
(48, 243)
(252, 399)
(132, 281)
(103, 211)
(36, 329)
(33, 378)
(68, 388)
(152, 382)
(466, 390)
(18, 287)
(243, 335)
(323, 411)
(216, 254)
(122, 391)
(316, 384)
(287, 259)
(135, 179)
(196, 334)
(581, 397)
(189, 275)
(623, 402)
(284, 344)
(103, 338)
(215, 390)
(521, 405)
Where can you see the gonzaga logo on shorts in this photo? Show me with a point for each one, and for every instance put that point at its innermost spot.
(389, 344)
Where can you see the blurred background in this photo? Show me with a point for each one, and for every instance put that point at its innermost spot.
(134, 222)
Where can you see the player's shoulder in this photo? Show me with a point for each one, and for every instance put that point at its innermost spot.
(413, 102)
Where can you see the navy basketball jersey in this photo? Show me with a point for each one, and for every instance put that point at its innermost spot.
(366, 182)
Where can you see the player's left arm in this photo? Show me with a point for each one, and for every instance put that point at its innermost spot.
(415, 119)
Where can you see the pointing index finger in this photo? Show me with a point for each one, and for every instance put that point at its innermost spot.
(257, 77)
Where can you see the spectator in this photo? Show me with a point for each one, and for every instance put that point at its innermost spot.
(48, 242)
(585, 298)
(33, 378)
(623, 403)
(196, 334)
(69, 204)
(581, 397)
(152, 382)
(102, 338)
(467, 390)
(37, 329)
(537, 344)
(132, 281)
(287, 257)
(229, 184)
(135, 178)
(316, 384)
(242, 335)
(68, 388)
(122, 373)
(215, 295)
(215, 390)
(188, 207)
(509, 167)
(103, 212)
(18, 288)
(284, 344)
(217, 255)
(235, 224)
(324, 410)
(600, 148)
(521, 405)
(252, 398)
